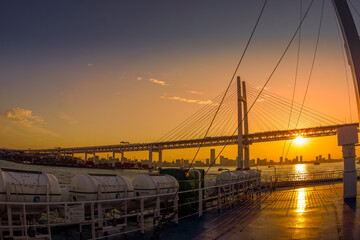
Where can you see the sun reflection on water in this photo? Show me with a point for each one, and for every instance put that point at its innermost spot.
(300, 172)
(300, 169)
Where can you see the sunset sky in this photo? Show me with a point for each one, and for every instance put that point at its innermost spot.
(79, 73)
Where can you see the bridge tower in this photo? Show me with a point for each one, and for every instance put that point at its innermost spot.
(246, 129)
(242, 161)
(239, 159)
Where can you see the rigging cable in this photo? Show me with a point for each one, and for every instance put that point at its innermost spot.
(296, 75)
(344, 61)
(266, 83)
(311, 69)
(232, 78)
(354, 8)
(227, 89)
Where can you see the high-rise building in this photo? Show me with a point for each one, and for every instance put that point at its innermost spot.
(207, 161)
(212, 155)
(281, 159)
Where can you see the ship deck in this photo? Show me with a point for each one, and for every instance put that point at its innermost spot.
(317, 212)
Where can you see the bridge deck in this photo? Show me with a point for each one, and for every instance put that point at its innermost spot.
(194, 143)
(308, 213)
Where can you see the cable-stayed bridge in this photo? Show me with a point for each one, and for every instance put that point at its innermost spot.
(207, 142)
(269, 117)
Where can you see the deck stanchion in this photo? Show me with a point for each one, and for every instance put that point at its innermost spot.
(200, 200)
(48, 209)
(125, 211)
(24, 219)
(219, 199)
(157, 211)
(9, 212)
(142, 215)
(92, 209)
(176, 208)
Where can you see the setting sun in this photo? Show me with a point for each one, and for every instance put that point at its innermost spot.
(300, 140)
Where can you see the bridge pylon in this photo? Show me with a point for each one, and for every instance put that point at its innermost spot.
(242, 160)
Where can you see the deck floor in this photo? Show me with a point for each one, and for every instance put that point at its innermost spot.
(317, 212)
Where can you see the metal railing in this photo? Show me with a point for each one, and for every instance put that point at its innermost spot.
(306, 179)
(112, 218)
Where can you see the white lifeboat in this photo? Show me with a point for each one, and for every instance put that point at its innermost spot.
(210, 188)
(28, 186)
(147, 185)
(90, 187)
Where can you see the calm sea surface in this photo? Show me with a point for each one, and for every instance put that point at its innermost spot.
(64, 174)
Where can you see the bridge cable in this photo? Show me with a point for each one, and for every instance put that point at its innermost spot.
(275, 106)
(284, 101)
(266, 83)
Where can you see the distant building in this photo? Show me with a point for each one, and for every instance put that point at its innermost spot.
(207, 161)
(261, 161)
(329, 156)
(226, 162)
(281, 160)
(212, 155)
(252, 162)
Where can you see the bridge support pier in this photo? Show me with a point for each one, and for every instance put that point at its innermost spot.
(85, 157)
(347, 137)
(150, 159)
(122, 157)
(113, 159)
(160, 158)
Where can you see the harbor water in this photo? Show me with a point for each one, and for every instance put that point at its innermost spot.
(64, 174)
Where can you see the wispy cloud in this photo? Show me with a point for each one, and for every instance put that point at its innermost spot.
(187, 100)
(23, 115)
(25, 119)
(153, 80)
(90, 64)
(139, 78)
(194, 92)
(67, 117)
